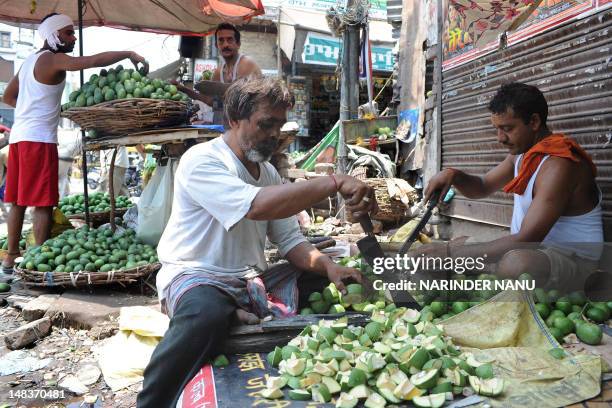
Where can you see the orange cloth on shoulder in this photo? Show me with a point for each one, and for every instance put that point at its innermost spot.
(557, 145)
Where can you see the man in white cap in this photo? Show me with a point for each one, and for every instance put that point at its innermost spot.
(36, 92)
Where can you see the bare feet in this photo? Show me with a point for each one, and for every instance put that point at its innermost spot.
(245, 317)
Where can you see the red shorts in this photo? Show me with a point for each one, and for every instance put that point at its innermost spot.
(32, 175)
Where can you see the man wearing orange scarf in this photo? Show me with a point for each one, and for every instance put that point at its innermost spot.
(557, 230)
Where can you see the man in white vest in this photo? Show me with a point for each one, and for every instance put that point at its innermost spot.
(556, 233)
(36, 92)
(235, 66)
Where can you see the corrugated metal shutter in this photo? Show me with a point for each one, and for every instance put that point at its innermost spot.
(571, 65)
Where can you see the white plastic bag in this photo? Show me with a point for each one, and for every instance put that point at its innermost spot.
(155, 204)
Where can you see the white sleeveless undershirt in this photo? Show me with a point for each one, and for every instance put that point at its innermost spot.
(580, 234)
(37, 113)
(234, 71)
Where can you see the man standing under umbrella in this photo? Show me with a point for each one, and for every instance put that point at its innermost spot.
(36, 92)
(235, 66)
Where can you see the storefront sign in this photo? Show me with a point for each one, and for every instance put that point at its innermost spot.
(324, 49)
(378, 8)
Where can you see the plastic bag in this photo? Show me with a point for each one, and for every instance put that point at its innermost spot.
(508, 329)
(130, 218)
(155, 204)
(123, 357)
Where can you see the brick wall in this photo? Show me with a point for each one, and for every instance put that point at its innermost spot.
(260, 47)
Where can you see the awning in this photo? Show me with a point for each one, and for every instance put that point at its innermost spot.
(188, 17)
(314, 21)
(486, 19)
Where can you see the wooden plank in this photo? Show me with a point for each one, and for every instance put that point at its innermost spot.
(261, 343)
(262, 338)
(173, 136)
(295, 323)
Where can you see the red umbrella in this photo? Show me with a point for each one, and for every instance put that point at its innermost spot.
(187, 17)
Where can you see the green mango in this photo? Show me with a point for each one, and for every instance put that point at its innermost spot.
(81, 101)
(110, 95)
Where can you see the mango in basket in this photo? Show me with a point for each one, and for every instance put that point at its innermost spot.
(89, 250)
(120, 83)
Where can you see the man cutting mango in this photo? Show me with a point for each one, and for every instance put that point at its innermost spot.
(35, 92)
(557, 202)
(228, 200)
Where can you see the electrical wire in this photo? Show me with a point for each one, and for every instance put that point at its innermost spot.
(340, 16)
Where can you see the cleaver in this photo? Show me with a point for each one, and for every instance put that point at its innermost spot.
(370, 249)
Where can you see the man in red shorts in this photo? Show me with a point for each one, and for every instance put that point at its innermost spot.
(36, 92)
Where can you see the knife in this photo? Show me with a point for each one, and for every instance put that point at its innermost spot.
(369, 246)
(370, 249)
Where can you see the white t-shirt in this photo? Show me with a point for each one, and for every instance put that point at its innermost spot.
(121, 160)
(207, 229)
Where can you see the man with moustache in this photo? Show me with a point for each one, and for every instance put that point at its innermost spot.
(227, 201)
(35, 92)
(235, 66)
(557, 202)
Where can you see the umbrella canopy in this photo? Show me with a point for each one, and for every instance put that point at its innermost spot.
(186, 17)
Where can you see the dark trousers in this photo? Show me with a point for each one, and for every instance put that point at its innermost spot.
(196, 333)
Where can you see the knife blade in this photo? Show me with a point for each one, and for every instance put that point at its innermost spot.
(370, 249)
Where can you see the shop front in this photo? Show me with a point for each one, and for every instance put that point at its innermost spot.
(315, 75)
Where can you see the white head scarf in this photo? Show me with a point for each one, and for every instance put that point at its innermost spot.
(48, 29)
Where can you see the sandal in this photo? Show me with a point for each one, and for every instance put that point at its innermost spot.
(6, 272)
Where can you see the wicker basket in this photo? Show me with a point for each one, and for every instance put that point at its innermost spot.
(360, 173)
(123, 116)
(79, 279)
(389, 210)
(98, 217)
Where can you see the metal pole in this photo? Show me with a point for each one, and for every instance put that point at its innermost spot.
(344, 102)
(349, 93)
(368, 68)
(353, 72)
(279, 68)
(438, 82)
(344, 115)
(83, 139)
